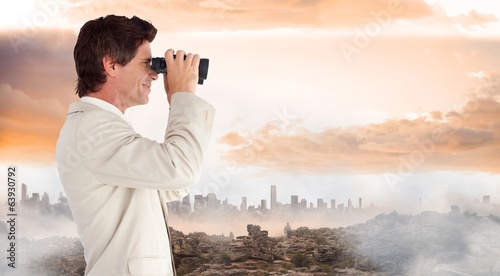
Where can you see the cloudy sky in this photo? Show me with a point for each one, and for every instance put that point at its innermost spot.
(380, 99)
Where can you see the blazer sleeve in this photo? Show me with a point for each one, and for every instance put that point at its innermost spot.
(115, 154)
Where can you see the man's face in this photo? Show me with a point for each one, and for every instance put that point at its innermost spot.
(135, 77)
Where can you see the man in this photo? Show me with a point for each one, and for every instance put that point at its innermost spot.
(116, 181)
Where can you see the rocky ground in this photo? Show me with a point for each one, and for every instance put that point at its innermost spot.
(390, 244)
(300, 252)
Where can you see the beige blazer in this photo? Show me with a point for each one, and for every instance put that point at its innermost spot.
(118, 182)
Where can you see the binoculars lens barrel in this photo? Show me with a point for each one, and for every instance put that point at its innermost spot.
(160, 66)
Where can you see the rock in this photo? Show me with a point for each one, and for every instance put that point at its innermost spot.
(257, 245)
(315, 268)
(324, 253)
(200, 254)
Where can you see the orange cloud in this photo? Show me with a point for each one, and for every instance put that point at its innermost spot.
(466, 139)
(29, 127)
(36, 86)
(474, 18)
(40, 64)
(215, 15)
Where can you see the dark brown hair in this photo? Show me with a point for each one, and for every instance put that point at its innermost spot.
(115, 36)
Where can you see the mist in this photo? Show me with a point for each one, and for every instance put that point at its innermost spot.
(34, 227)
(431, 243)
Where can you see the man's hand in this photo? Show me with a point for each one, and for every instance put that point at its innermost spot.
(182, 74)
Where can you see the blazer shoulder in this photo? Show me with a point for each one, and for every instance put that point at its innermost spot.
(89, 110)
(88, 116)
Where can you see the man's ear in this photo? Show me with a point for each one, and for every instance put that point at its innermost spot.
(109, 65)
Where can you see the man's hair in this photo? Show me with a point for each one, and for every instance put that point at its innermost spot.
(115, 36)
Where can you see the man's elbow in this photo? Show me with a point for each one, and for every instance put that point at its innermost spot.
(186, 176)
(186, 166)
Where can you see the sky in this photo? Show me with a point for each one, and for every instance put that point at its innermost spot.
(386, 100)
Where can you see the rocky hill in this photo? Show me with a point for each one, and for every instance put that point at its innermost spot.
(300, 252)
(429, 243)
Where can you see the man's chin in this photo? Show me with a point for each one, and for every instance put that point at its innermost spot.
(145, 98)
(141, 102)
(144, 101)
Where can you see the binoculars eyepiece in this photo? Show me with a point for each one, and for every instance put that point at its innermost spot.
(160, 66)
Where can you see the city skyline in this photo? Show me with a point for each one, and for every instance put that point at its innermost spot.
(210, 201)
(216, 215)
(294, 200)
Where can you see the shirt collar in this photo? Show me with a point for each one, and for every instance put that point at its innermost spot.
(104, 105)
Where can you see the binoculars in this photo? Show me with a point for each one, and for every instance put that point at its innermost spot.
(160, 66)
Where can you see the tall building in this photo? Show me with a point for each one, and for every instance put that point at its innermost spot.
(263, 204)
(186, 200)
(303, 204)
(333, 204)
(273, 197)
(243, 206)
(46, 202)
(321, 204)
(200, 202)
(349, 203)
(211, 201)
(24, 194)
(295, 202)
(360, 203)
(186, 204)
(35, 197)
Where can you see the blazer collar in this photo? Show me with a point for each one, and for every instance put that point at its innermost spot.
(105, 106)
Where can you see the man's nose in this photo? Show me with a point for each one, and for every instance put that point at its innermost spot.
(153, 75)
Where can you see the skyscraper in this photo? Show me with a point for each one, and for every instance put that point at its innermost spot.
(273, 197)
(321, 203)
(212, 201)
(35, 197)
(24, 190)
(263, 204)
(243, 206)
(200, 202)
(303, 204)
(186, 204)
(295, 202)
(46, 201)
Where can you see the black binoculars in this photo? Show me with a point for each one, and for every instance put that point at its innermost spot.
(160, 66)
